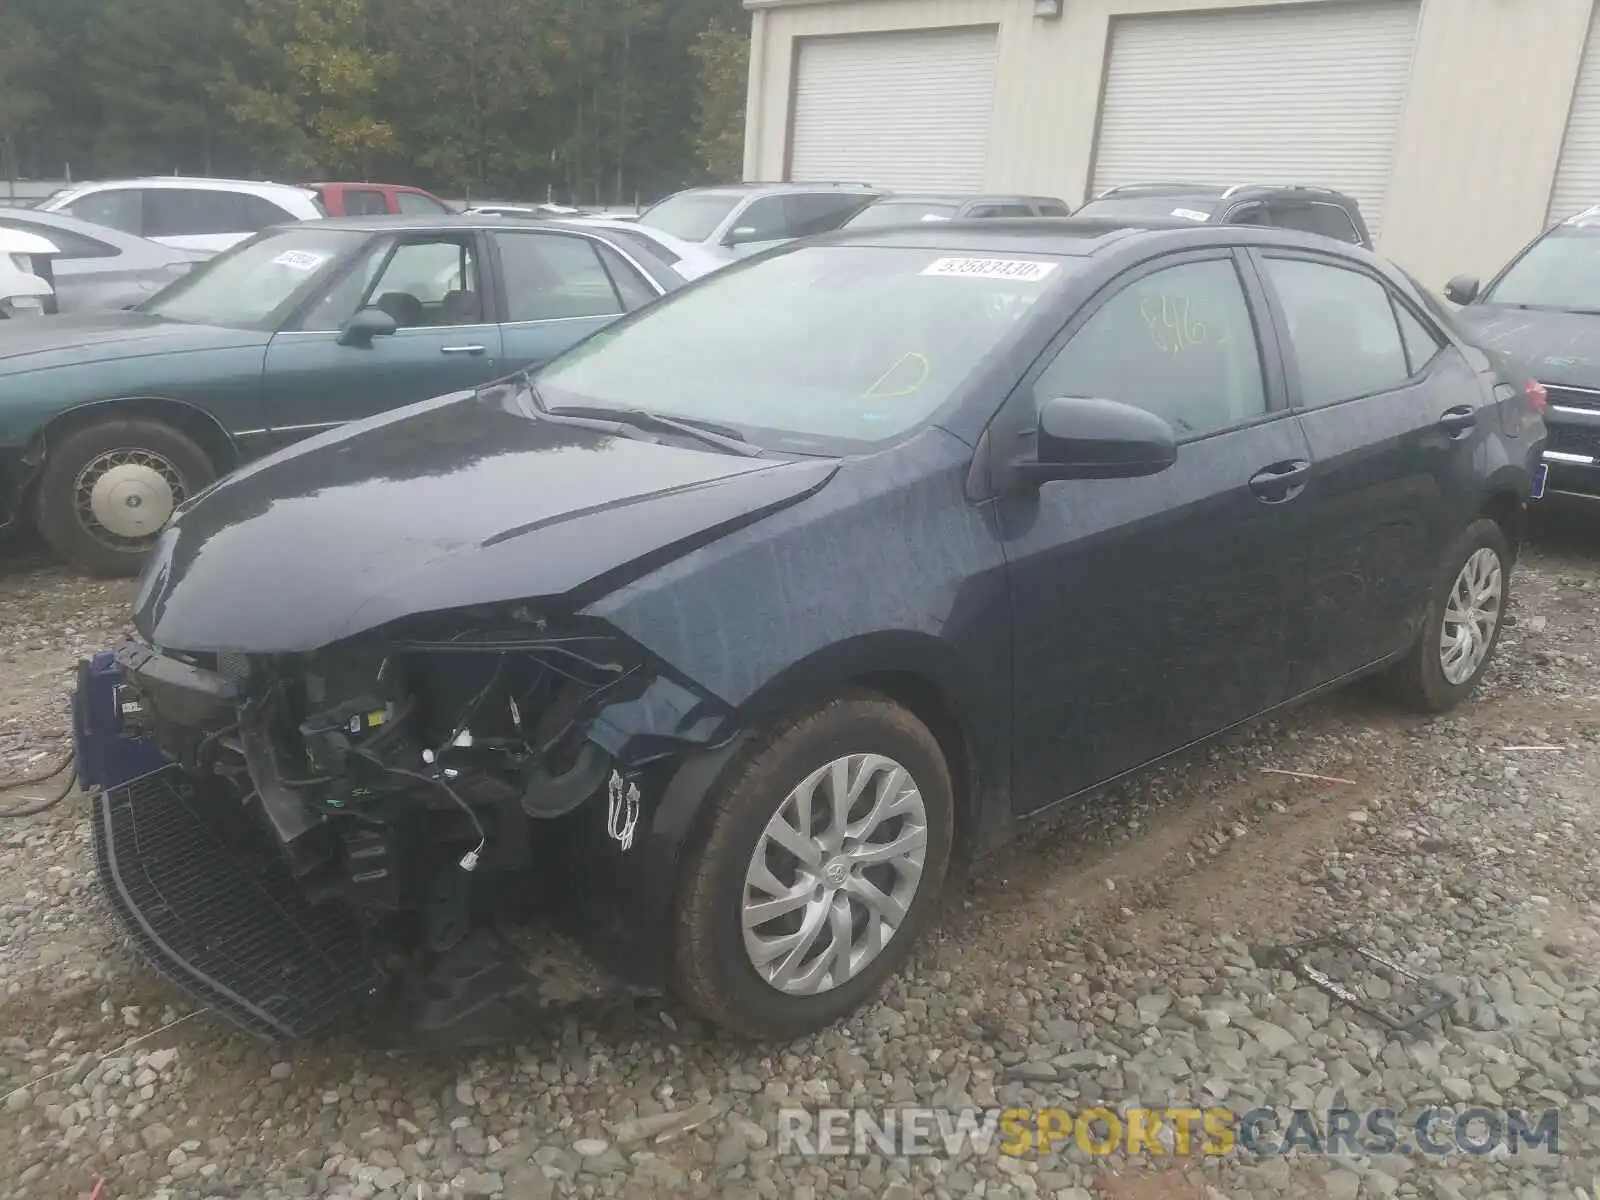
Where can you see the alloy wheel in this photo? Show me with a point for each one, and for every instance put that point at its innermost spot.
(1471, 616)
(834, 874)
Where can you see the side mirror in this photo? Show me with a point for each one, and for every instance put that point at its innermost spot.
(1082, 438)
(743, 234)
(1463, 289)
(367, 324)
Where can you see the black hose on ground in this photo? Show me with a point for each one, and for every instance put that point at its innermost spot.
(31, 810)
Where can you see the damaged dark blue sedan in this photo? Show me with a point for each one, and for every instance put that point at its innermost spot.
(719, 639)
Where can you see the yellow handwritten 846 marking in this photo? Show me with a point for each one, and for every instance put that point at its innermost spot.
(1172, 327)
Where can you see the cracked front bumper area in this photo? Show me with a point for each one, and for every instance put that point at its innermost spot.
(287, 907)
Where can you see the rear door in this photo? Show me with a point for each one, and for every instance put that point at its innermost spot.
(446, 338)
(1151, 612)
(556, 289)
(1395, 416)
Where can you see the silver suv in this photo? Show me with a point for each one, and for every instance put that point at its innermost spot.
(737, 219)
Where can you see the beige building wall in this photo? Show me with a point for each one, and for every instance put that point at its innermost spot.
(1491, 85)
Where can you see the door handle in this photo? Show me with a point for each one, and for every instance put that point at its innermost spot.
(461, 349)
(1458, 420)
(1281, 481)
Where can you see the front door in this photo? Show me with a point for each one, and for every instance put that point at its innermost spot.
(444, 339)
(1151, 612)
(558, 289)
(1395, 416)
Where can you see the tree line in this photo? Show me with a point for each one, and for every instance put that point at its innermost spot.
(580, 101)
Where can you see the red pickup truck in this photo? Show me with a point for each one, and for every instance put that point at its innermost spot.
(375, 199)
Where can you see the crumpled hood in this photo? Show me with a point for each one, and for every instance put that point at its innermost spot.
(78, 338)
(1559, 348)
(458, 501)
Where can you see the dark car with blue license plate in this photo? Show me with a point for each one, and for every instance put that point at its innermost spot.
(109, 420)
(723, 634)
(1541, 316)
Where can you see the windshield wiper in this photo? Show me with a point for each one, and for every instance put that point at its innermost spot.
(723, 437)
(711, 434)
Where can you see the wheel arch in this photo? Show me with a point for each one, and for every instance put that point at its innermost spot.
(1506, 507)
(926, 677)
(189, 419)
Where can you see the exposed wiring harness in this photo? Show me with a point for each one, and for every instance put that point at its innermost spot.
(69, 762)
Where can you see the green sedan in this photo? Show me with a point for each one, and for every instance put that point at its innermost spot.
(110, 420)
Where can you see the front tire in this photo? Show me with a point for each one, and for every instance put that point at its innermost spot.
(822, 860)
(1462, 625)
(107, 489)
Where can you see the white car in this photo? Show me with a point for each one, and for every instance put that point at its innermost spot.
(24, 290)
(190, 214)
(688, 259)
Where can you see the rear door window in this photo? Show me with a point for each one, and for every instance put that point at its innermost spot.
(630, 285)
(252, 214)
(1329, 220)
(553, 277)
(72, 245)
(1001, 210)
(1345, 340)
(415, 203)
(1054, 210)
(121, 209)
(180, 212)
(365, 202)
(763, 220)
(819, 212)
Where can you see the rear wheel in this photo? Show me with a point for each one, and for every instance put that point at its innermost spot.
(823, 858)
(107, 490)
(1462, 625)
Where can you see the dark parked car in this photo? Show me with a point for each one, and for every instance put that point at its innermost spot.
(1279, 206)
(730, 627)
(908, 208)
(1542, 313)
(109, 420)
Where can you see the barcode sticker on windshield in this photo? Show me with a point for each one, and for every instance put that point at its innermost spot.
(1191, 214)
(991, 268)
(300, 260)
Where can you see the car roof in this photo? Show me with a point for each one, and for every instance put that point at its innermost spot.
(185, 181)
(1214, 191)
(366, 183)
(961, 197)
(1075, 237)
(388, 222)
(746, 189)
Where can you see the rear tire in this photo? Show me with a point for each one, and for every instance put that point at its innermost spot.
(1462, 625)
(107, 489)
(863, 915)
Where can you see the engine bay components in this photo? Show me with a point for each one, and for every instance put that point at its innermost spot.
(417, 795)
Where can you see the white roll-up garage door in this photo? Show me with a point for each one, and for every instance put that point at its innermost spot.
(898, 110)
(1306, 94)
(1578, 174)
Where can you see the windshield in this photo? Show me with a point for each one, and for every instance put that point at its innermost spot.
(826, 349)
(692, 216)
(902, 212)
(1560, 271)
(1149, 206)
(257, 283)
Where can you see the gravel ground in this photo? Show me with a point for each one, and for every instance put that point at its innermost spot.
(1116, 958)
